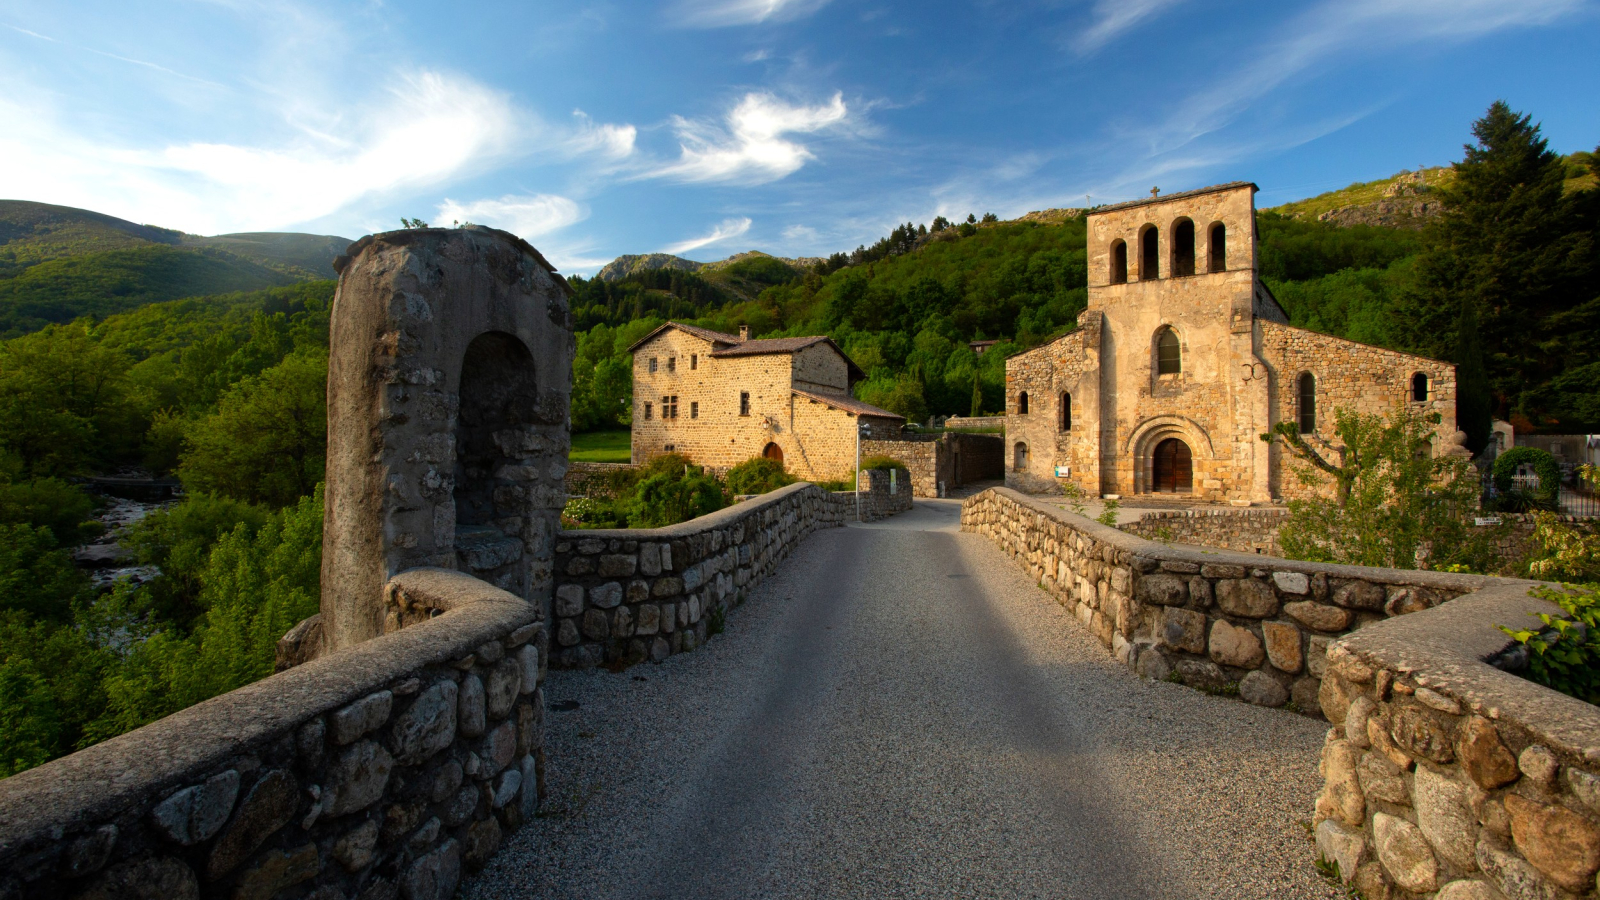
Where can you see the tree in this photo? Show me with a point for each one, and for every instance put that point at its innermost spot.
(977, 395)
(267, 441)
(1395, 504)
(1521, 256)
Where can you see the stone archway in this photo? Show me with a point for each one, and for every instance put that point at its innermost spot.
(773, 451)
(1142, 444)
(1172, 466)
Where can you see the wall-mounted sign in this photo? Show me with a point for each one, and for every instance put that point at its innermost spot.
(1063, 471)
(1486, 520)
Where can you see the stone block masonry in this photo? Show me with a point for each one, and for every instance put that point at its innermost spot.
(1218, 620)
(1242, 530)
(627, 595)
(385, 769)
(586, 479)
(1445, 774)
(949, 461)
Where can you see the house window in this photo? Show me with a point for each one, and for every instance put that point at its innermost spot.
(672, 364)
(694, 409)
(744, 403)
(669, 407)
(1308, 403)
(1419, 387)
(1183, 248)
(694, 361)
(1066, 412)
(647, 410)
(1169, 355)
(670, 447)
(1149, 254)
(1119, 262)
(652, 364)
(1219, 248)
(1022, 403)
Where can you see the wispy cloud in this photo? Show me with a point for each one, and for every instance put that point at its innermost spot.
(423, 129)
(1113, 17)
(127, 59)
(722, 13)
(728, 229)
(750, 146)
(525, 215)
(611, 142)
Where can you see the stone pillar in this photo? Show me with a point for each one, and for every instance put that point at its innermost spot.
(449, 373)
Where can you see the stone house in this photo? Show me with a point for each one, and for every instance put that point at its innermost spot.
(1182, 360)
(721, 399)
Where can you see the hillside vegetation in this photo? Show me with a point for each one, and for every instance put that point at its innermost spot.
(58, 263)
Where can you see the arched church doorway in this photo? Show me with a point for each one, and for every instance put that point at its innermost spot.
(1174, 468)
(774, 452)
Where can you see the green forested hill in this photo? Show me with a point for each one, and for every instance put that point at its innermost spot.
(58, 263)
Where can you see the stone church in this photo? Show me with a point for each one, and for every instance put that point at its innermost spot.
(721, 399)
(1182, 360)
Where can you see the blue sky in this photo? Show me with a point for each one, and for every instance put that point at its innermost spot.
(708, 127)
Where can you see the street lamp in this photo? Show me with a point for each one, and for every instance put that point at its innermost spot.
(862, 430)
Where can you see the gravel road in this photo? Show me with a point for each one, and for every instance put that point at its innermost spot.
(899, 712)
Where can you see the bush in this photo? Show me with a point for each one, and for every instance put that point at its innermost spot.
(50, 503)
(758, 476)
(1565, 654)
(883, 463)
(35, 577)
(1544, 465)
(667, 498)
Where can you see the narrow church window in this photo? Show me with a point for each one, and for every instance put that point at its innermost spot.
(652, 364)
(1066, 412)
(1308, 403)
(1169, 356)
(1219, 248)
(1183, 248)
(1019, 457)
(1119, 262)
(1022, 403)
(672, 364)
(694, 409)
(1419, 387)
(647, 410)
(1149, 255)
(744, 403)
(694, 361)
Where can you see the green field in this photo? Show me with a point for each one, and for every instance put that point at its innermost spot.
(602, 446)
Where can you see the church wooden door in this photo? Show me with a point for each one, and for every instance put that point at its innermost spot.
(1174, 467)
(773, 451)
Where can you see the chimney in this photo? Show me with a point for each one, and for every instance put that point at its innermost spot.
(744, 333)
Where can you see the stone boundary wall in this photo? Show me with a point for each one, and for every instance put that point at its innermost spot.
(975, 422)
(1246, 531)
(951, 459)
(590, 479)
(378, 771)
(1216, 620)
(627, 595)
(1446, 777)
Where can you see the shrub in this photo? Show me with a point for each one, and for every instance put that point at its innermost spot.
(1565, 654)
(882, 462)
(758, 476)
(1544, 465)
(50, 503)
(669, 498)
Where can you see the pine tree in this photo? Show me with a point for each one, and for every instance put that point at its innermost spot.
(977, 395)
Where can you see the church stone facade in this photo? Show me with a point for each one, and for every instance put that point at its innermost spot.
(721, 399)
(1182, 360)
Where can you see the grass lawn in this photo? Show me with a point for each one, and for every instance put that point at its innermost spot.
(602, 446)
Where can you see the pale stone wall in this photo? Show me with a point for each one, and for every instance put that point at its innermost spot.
(1445, 773)
(820, 368)
(380, 770)
(1219, 620)
(1357, 377)
(1068, 365)
(627, 595)
(952, 460)
(1242, 530)
(957, 422)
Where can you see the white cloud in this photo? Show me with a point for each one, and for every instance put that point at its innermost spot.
(527, 216)
(750, 147)
(612, 142)
(1113, 17)
(722, 13)
(426, 128)
(728, 229)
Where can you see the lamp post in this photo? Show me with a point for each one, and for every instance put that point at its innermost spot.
(862, 430)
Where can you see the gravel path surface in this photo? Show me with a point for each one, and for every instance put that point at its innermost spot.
(901, 713)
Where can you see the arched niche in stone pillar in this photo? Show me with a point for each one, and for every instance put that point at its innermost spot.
(449, 373)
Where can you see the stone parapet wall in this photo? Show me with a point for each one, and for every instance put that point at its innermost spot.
(1217, 620)
(926, 461)
(627, 595)
(587, 479)
(1446, 777)
(380, 770)
(1243, 530)
(949, 460)
(955, 422)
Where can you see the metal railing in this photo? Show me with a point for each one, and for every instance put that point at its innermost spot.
(1571, 499)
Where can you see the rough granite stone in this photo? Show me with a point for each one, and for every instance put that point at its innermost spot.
(1262, 689)
(1234, 646)
(1246, 597)
(1405, 853)
(1182, 629)
(1484, 756)
(434, 876)
(353, 851)
(357, 778)
(427, 727)
(471, 720)
(1557, 841)
(1345, 846)
(359, 718)
(505, 683)
(196, 813)
(1283, 647)
(147, 878)
(268, 806)
(1444, 813)
(277, 870)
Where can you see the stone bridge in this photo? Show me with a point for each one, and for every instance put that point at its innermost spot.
(989, 697)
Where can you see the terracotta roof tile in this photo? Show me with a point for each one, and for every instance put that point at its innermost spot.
(848, 404)
(767, 345)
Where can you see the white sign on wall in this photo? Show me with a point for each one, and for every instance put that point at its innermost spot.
(1063, 471)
